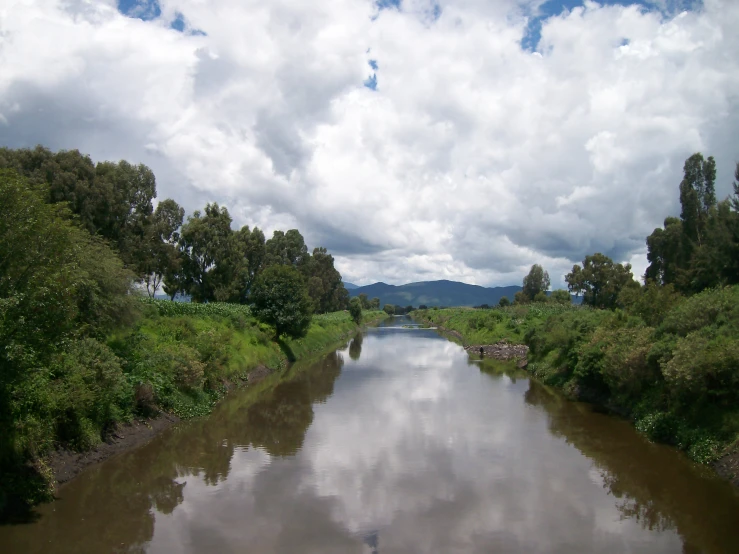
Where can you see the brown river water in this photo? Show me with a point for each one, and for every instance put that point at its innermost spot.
(398, 442)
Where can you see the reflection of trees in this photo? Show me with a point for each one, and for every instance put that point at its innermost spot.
(651, 483)
(109, 509)
(355, 347)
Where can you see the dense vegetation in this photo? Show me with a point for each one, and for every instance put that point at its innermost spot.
(664, 354)
(79, 349)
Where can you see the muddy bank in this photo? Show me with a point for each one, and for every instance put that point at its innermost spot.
(727, 466)
(67, 464)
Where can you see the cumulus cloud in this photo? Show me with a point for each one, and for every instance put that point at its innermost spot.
(471, 158)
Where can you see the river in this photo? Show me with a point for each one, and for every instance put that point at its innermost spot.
(398, 442)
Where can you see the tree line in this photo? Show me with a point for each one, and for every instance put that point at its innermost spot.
(696, 251)
(202, 257)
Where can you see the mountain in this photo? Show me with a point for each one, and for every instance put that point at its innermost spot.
(350, 286)
(435, 293)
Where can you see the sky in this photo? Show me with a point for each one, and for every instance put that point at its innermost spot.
(415, 139)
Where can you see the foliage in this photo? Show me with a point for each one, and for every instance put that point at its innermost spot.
(667, 362)
(280, 299)
(700, 249)
(389, 309)
(355, 310)
(600, 280)
(503, 302)
(324, 282)
(537, 281)
(560, 296)
(60, 289)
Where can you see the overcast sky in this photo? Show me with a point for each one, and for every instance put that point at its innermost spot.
(415, 139)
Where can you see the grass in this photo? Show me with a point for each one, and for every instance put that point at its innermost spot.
(476, 326)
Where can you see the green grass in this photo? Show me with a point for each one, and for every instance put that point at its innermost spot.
(490, 326)
(187, 355)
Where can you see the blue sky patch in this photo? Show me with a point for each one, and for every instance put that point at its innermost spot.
(146, 10)
(371, 82)
(387, 4)
(532, 35)
(178, 24)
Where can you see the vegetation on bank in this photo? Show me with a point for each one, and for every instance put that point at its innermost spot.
(180, 358)
(664, 354)
(674, 371)
(80, 352)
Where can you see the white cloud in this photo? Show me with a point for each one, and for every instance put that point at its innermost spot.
(472, 160)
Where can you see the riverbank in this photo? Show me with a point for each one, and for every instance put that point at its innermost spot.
(673, 376)
(176, 362)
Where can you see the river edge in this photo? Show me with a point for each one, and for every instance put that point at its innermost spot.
(726, 466)
(66, 464)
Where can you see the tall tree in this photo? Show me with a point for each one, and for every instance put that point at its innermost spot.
(697, 195)
(600, 280)
(160, 257)
(251, 253)
(207, 246)
(535, 282)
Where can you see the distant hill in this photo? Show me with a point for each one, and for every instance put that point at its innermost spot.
(435, 293)
(350, 286)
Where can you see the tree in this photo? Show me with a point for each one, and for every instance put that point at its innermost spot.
(286, 249)
(161, 256)
(423, 307)
(389, 309)
(599, 280)
(535, 282)
(697, 195)
(279, 298)
(521, 298)
(365, 302)
(355, 310)
(541, 297)
(503, 302)
(208, 248)
(560, 296)
(374, 304)
(666, 253)
(324, 282)
(60, 290)
(249, 258)
(111, 199)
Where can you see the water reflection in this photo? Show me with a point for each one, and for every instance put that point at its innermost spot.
(398, 443)
(647, 482)
(355, 347)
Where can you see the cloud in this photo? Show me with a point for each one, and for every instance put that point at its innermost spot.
(469, 157)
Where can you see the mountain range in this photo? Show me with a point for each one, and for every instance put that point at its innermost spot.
(434, 293)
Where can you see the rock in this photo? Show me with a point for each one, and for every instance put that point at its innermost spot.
(502, 350)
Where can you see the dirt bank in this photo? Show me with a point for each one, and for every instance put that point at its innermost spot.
(67, 464)
(727, 466)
